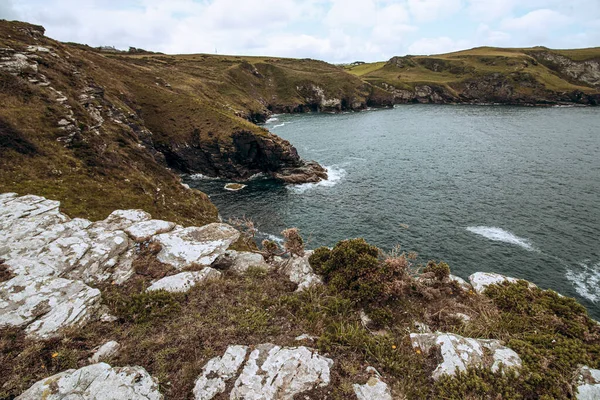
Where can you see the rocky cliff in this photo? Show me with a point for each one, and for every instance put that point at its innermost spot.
(536, 76)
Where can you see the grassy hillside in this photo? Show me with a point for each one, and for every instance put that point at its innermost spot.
(534, 75)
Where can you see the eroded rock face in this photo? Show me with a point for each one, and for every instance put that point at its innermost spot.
(270, 373)
(193, 245)
(588, 384)
(184, 281)
(52, 258)
(96, 382)
(459, 352)
(299, 271)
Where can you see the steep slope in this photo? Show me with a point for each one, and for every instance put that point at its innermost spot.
(490, 75)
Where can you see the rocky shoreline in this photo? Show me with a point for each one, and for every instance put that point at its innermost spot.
(52, 263)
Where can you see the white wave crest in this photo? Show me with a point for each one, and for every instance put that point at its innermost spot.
(500, 235)
(586, 280)
(200, 177)
(278, 126)
(272, 119)
(334, 175)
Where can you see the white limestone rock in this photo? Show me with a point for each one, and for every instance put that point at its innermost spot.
(459, 352)
(184, 281)
(96, 382)
(481, 280)
(143, 231)
(299, 271)
(240, 261)
(272, 372)
(374, 389)
(203, 245)
(44, 306)
(105, 352)
(218, 371)
(588, 384)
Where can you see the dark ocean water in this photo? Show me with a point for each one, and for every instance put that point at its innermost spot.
(511, 190)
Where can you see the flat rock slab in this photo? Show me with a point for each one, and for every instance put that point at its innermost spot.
(270, 373)
(44, 306)
(299, 271)
(459, 352)
(143, 231)
(96, 382)
(240, 261)
(193, 245)
(184, 281)
(588, 384)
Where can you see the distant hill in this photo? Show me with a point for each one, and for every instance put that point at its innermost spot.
(490, 75)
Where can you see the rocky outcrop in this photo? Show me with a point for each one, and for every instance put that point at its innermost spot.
(270, 373)
(459, 353)
(588, 384)
(184, 281)
(240, 261)
(586, 72)
(374, 389)
(195, 245)
(95, 382)
(52, 259)
(481, 280)
(299, 271)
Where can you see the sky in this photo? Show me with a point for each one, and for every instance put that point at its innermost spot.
(332, 30)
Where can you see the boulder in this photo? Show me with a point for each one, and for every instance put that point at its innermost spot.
(43, 306)
(185, 246)
(218, 371)
(458, 352)
(299, 271)
(481, 280)
(184, 281)
(96, 382)
(270, 373)
(240, 261)
(105, 352)
(374, 389)
(588, 384)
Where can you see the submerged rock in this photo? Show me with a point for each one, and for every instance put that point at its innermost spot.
(310, 172)
(194, 245)
(588, 384)
(234, 187)
(270, 373)
(458, 352)
(184, 281)
(96, 382)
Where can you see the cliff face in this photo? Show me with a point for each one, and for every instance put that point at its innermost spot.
(535, 76)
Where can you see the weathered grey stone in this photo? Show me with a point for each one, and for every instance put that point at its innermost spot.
(143, 231)
(96, 382)
(193, 245)
(105, 352)
(299, 271)
(272, 372)
(481, 280)
(240, 261)
(46, 305)
(458, 352)
(218, 371)
(461, 282)
(588, 384)
(374, 389)
(184, 281)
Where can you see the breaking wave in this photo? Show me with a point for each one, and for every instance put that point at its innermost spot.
(500, 235)
(272, 119)
(334, 176)
(586, 280)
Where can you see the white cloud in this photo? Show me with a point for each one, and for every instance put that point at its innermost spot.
(490, 10)
(440, 45)
(432, 10)
(535, 27)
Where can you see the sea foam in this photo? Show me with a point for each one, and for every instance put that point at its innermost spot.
(334, 175)
(586, 280)
(500, 235)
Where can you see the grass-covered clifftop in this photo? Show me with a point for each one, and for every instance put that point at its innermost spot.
(486, 74)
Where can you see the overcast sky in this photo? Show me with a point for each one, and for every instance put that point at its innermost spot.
(330, 30)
